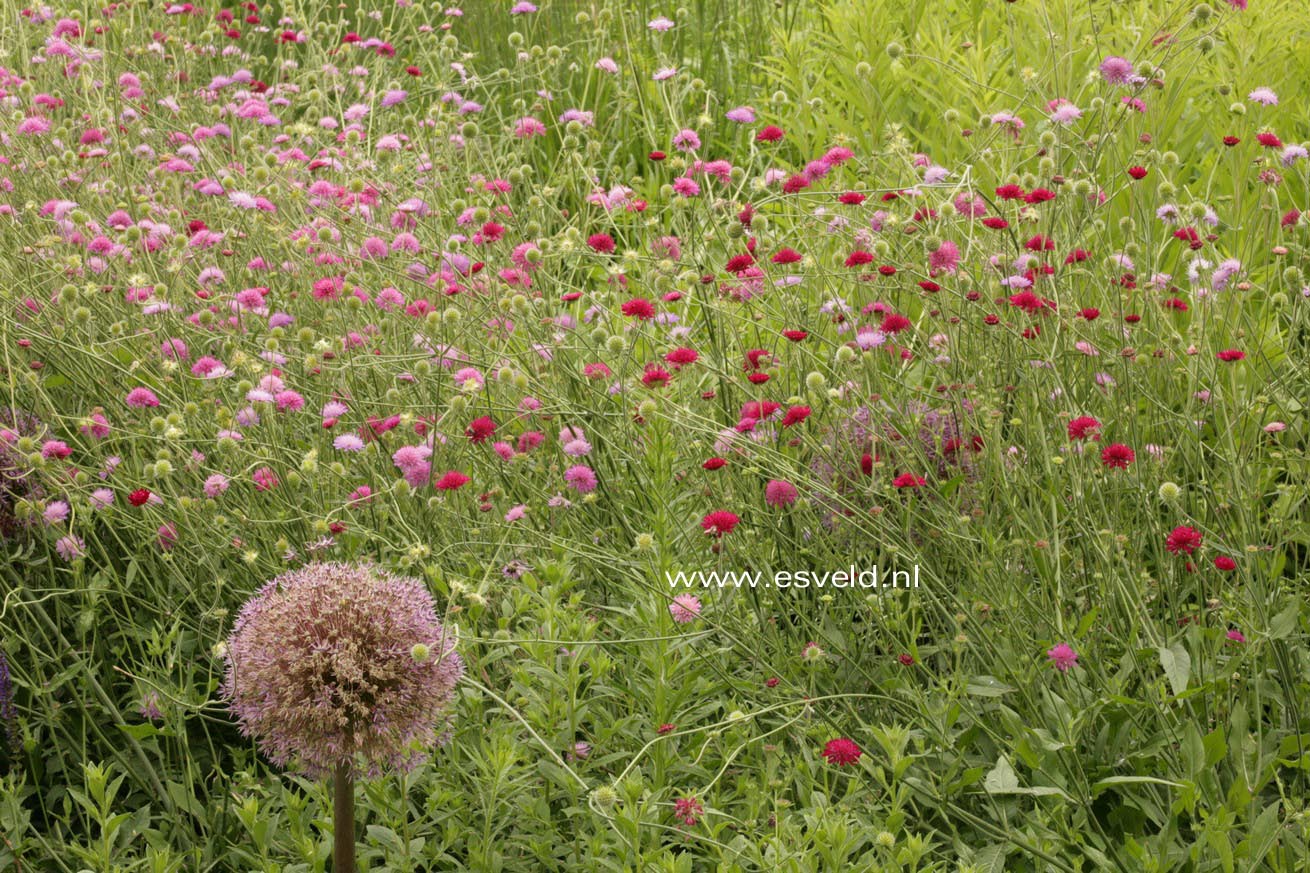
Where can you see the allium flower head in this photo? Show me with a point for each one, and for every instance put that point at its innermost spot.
(321, 670)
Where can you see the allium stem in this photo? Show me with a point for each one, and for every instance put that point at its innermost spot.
(343, 820)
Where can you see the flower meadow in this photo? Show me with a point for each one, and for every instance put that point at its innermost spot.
(377, 374)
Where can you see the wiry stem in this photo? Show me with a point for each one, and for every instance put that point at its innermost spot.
(343, 820)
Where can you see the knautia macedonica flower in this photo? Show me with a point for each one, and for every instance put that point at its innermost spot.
(336, 665)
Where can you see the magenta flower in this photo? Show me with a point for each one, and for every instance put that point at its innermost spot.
(140, 398)
(1063, 657)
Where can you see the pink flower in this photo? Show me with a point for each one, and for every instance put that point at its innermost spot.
(581, 478)
(1063, 657)
(265, 479)
(779, 493)
(685, 608)
(140, 398)
(215, 485)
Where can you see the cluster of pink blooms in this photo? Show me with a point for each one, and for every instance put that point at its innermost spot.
(354, 323)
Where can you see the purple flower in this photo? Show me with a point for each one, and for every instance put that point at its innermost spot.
(342, 665)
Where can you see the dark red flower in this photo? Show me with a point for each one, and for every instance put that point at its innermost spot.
(1117, 455)
(639, 308)
(1225, 563)
(769, 134)
(480, 429)
(841, 752)
(1183, 540)
(139, 497)
(601, 242)
(719, 522)
(1138, 172)
(1083, 427)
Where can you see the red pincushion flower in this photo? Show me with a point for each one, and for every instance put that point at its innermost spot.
(1009, 192)
(139, 497)
(1083, 427)
(1117, 455)
(795, 415)
(601, 242)
(786, 256)
(908, 480)
(480, 429)
(994, 223)
(639, 308)
(452, 481)
(1230, 355)
(1269, 141)
(841, 752)
(894, 323)
(795, 335)
(859, 258)
(719, 522)
(1138, 172)
(714, 464)
(1225, 563)
(769, 134)
(1183, 540)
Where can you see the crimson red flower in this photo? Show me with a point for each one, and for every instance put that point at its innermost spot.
(1269, 141)
(656, 156)
(1083, 427)
(786, 256)
(859, 258)
(1009, 192)
(1230, 355)
(852, 198)
(682, 357)
(1183, 540)
(719, 522)
(737, 263)
(795, 415)
(994, 223)
(908, 480)
(601, 242)
(906, 659)
(1137, 172)
(1231, 141)
(894, 323)
(1117, 455)
(480, 429)
(795, 335)
(1038, 195)
(1091, 313)
(139, 497)
(841, 752)
(1225, 563)
(639, 308)
(769, 134)
(452, 481)
(655, 377)
(714, 464)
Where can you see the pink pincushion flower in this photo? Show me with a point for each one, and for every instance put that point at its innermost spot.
(581, 478)
(140, 398)
(340, 665)
(779, 493)
(1062, 657)
(685, 608)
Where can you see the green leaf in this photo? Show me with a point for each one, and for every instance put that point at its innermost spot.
(1002, 779)
(987, 686)
(1177, 666)
(1111, 781)
(1285, 622)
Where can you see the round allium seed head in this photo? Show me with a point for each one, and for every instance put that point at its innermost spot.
(323, 670)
